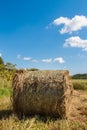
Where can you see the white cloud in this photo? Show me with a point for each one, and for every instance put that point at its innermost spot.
(70, 25)
(85, 49)
(27, 58)
(76, 42)
(0, 54)
(59, 60)
(47, 60)
(23, 58)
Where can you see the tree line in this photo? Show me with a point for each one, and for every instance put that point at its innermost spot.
(79, 76)
(7, 70)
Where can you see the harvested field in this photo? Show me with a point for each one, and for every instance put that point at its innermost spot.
(77, 118)
(42, 92)
(79, 84)
(79, 106)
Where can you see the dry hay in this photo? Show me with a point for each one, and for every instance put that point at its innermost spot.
(78, 110)
(42, 92)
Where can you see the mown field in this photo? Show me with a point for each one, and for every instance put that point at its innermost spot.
(77, 118)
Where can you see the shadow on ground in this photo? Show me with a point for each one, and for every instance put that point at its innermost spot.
(5, 114)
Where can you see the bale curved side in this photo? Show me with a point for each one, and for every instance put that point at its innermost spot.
(42, 92)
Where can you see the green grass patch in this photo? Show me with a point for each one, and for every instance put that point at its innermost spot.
(5, 88)
(5, 92)
(80, 84)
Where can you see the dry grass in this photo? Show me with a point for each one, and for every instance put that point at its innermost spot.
(77, 119)
(79, 84)
(79, 106)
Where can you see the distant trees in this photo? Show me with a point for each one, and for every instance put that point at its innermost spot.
(1, 61)
(10, 66)
(79, 76)
(7, 70)
(1, 64)
(33, 69)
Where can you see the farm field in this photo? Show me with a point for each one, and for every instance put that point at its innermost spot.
(80, 84)
(77, 118)
(43, 65)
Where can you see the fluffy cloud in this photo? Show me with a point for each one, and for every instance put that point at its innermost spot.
(71, 25)
(27, 58)
(76, 42)
(47, 60)
(23, 58)
(0, 54)
(59, 60)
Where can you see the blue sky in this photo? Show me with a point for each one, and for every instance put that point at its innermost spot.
(44, 34)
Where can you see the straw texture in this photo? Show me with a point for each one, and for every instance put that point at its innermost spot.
(42, 92)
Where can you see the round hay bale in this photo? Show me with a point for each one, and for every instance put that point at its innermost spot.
(42, 92)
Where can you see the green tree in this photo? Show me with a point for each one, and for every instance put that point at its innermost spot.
(33, 69)
(1, 61)
(1, 64)
(2, 67)
(10, 66)
(9, 70)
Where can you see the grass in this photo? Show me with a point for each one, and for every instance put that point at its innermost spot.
(10, 121)
(5, 88)
(5, 92)
(77, 118)
(79, 84)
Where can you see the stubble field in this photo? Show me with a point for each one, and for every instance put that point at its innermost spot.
(77, 118)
